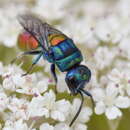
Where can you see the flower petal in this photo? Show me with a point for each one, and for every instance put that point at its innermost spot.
(100, 108)
(42, 86)
(122, 102)
(61, 126)
(46, 126)
(57, 115)
(111, 90)
(128, 89)
(98, 94)
(85, 114)
(64, 110)
(18, 80)
(80, 126)
(113, 113)
(9, 85)
(115, 75)
(59, 105)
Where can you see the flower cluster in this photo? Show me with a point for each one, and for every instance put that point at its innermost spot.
(8, 23)
(27, 99)
(102, 32)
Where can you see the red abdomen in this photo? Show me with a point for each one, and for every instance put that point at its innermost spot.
(26, 41)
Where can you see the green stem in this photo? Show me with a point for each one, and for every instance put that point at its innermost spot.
(113, 124)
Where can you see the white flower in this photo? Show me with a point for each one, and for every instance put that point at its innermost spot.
(48, 106)
(18, 125)
(36, 108)
(75, 32)
(122, 102)
(113, 112)
(12, 82)
(85, 113)
(18, 80)
(33, 85)
(103, 30)
(4, 101)
(10, 70)
(125, 46)
(18, 107)
(94, 79)
(73, 28)
(60, 112)
(8, 23)
(46, 126)
(61, 85)
(83, 117)
(61, 126)
(122, 6)
(121, 79)
(8, 125)
(109, 102)
(80, 126)
(42, 86)
(8, 84)
(12, 77)
(109, 29)
(51, 11)
(103, 57)
(95, 8)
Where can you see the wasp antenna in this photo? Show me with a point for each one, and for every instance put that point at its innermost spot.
(75, 117)
(88, 94)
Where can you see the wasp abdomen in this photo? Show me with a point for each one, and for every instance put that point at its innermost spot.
(66, 55)
(26, 41)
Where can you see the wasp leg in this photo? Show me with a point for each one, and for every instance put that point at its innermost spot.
(79, 110)
(54, 75)
(25, 53)
(80, 90)
(29, 70)
(80, 87)
(33, 64)
(88, 94)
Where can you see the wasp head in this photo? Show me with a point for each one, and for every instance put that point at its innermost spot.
(77, 77)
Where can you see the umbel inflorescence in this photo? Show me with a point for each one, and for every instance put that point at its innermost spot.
(101, 31)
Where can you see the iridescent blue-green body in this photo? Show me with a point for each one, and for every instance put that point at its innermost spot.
(66, 55)
(68, 58)
(59, 50)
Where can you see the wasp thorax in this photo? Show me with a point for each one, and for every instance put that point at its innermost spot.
(77, 77)
(26, 41)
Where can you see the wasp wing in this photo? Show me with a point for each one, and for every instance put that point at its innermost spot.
(39, 29)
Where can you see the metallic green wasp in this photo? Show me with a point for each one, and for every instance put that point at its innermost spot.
(43, 40)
